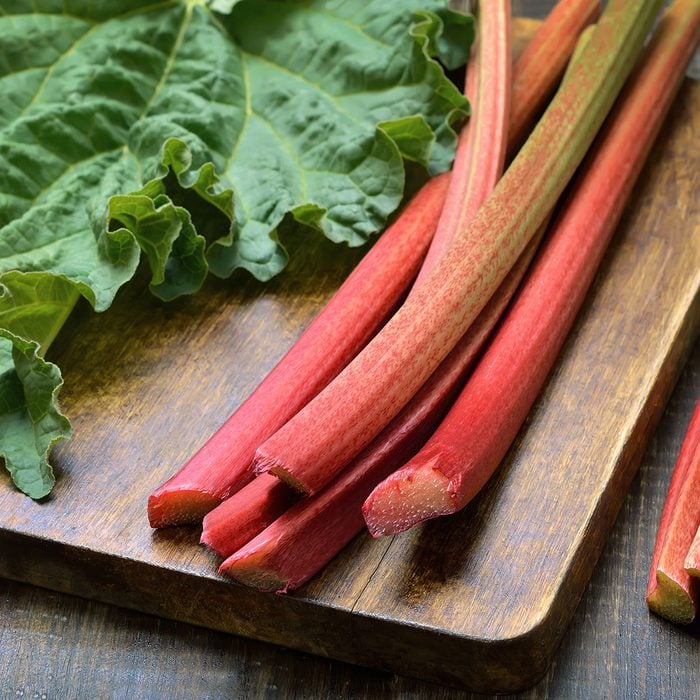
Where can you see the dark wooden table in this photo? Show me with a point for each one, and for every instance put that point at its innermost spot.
(57, 646)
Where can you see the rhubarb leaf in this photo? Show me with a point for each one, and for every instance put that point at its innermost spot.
(30, 422)
(294, 107)
(183, 133)
(32, 305)
(304, 134)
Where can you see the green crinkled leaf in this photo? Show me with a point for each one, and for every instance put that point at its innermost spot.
(32, 305)
(30, 422)
(289, 105)
(447, 39)
(324, 73)
(184, 132)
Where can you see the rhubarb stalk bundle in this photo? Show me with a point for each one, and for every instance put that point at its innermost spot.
(354, 314)
(473, 439)
(257, 504)
(298, 544)
(351, 317)
(315, 445)
(672, 592)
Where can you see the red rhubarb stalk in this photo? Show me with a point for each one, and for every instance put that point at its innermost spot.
(224, 526)
(223, 465)
(692, 561)
(351, 317)
(298, 544)
(470, 443)
(315, 445)
(543, 62)
(481, 149)
(249, 511)
(672, 592)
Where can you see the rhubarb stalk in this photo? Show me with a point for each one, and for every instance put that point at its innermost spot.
(350, 318)
(672, 592)
(253, 508)
(249, 511)
(305, 538)
(543, 62)
(470, 443)
(315, 445)
(481, 149)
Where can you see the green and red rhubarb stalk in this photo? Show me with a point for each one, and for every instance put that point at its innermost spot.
(543, 61)
(481, 149)
(470, 443)
(672, 592)
(322, 439)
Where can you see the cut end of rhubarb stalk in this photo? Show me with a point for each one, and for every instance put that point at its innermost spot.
(208, 541)
(692, 561)
(285, 476)
(248, 570)
(406, 498)
(670, 600)
(693, 568)
(267, 465)
(181, 506)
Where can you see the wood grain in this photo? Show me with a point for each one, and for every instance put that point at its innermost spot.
(59, 646)
(480, 600)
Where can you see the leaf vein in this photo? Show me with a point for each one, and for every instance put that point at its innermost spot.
(177, 45)
(304, 79)
(359, 28)
(246, 117)
(44, 246)
(79, 40)
(65, 172)
(22, 70)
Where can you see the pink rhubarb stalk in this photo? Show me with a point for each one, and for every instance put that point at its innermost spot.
(249, 511)
(315, 445)
(470, 443)
(481, 149)
(692, 561)
(224, 526)
(305, 538)
(351, 317)
(672, 592)
(543, 62)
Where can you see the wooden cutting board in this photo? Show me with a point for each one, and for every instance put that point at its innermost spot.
(478, 600)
